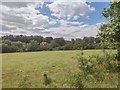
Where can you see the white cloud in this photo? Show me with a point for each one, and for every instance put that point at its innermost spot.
(69, 9)
(75, 17)
(69, 32)
(22, 16)
(19, 4)
(52, 22)
(16, 4)
(65, 23)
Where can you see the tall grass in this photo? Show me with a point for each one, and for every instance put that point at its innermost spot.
(97, 67)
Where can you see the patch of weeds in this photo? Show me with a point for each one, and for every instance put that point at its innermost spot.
(85, 64)
(47, 80)
(76, 80)
(96, 65)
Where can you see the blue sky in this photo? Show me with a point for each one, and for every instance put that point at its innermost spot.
(95, 17)
(57, 19)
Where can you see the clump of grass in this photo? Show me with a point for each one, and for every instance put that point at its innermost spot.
(47, 80)
(76, 80)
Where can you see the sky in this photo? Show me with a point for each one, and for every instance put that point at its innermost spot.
(69, 20)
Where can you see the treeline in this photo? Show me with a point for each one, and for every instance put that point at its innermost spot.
(21, 43)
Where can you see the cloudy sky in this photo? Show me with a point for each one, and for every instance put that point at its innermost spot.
(56, 19)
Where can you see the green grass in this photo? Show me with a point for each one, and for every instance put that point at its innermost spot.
(56, 64)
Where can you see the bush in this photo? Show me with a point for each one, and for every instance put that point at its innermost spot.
(97, 66)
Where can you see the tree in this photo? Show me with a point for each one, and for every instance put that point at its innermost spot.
(60, 41)
(5, 48)
(33, 46)
(53, 44)
(9, 48)
(48, 39)
(110, 32)
(22, 43)
(39, 39)
(7, 41)
(77, 44)
(19, 45)
(0, 44)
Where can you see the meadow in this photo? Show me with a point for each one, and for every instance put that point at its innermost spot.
(27, 69)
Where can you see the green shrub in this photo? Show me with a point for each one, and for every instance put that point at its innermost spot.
(96, 65)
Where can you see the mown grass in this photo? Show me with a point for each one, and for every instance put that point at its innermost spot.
(27, 69)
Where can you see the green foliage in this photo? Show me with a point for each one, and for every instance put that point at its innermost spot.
(96, 65)
(0, 48)
(54, 44)
(8, 42)
(38, 43)
(48, 39)
(33, 46)
(106, 36)
(19, 45)
(7, 48)
(57, 42)
(39, 39)
(76, 80)
(23, 38)
(109, 34)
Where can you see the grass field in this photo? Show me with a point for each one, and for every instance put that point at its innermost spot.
(28, 68)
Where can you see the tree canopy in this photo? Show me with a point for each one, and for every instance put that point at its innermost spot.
(110, 32)
(20, 43)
